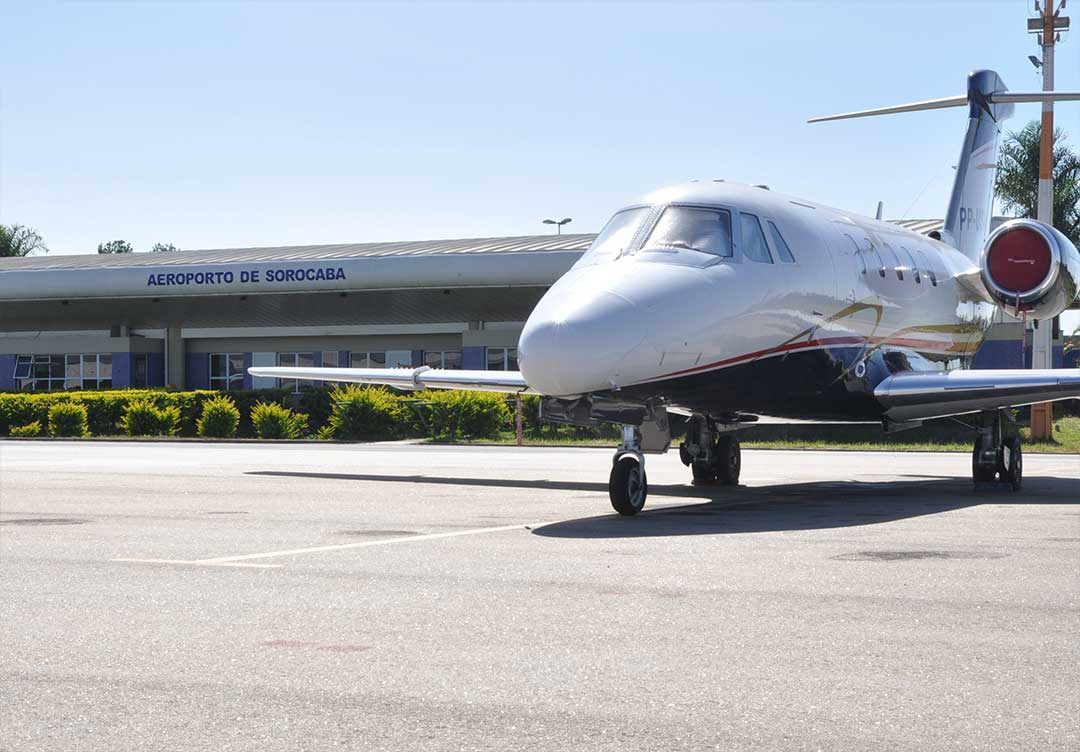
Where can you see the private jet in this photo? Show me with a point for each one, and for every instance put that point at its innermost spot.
(717, 302)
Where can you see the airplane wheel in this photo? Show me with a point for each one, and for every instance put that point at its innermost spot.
(704, 475)
(728, 461)
(1013, 464)
(980, 473)
(684, 455)
(628, 486)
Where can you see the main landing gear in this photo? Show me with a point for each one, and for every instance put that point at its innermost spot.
(997, 453)
(713, 457)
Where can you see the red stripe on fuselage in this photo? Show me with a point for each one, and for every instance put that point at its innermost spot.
(923, 344)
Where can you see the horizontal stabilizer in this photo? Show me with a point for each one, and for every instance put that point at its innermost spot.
(406, 378)
(962, 101)
(915, 395)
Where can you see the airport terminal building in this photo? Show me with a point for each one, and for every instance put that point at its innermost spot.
(199, 319)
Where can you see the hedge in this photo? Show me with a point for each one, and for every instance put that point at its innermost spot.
(348, 413)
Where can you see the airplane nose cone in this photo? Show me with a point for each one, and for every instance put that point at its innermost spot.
(573, 344)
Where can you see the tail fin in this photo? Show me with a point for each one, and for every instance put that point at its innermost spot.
(989, 102)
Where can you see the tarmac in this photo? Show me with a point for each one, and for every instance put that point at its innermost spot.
(158, 596)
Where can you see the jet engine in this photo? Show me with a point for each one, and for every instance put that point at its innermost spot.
(1029, 267)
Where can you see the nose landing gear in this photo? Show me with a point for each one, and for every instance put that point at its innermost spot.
(628, 486)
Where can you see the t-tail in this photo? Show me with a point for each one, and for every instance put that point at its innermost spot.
(989, 103)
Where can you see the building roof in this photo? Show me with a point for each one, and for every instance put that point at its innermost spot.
(335, 252)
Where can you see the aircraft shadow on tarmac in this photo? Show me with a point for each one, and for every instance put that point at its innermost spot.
(743, 509)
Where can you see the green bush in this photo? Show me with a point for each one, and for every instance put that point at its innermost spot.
(142, 417)
(366, 414)
(272, 421)
(465, 415)
(104, 408)
(219, 418)
(30, 429)
(68, 419)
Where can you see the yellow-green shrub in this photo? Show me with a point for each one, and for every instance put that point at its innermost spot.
(219, 418)
(366, 414)
(30, 429)
(464, 415)
(272, 421)
(142, 417)
(68, 419)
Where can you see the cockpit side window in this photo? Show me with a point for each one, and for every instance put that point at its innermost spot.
(754, 246)
(616, 236)
(693, 228)
(782, 249)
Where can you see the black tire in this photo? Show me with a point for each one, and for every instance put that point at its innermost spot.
(1013, 473)
(728, 461)
(628, 485)
(684, 455)
(704, 475)
(980, 473)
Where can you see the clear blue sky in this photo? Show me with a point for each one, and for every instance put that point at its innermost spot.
(218, 124)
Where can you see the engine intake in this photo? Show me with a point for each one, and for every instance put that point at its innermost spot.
(1029, 267)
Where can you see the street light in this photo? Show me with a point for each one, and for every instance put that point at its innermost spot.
(558, 224)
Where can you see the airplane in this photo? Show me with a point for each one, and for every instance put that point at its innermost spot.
(721, 302)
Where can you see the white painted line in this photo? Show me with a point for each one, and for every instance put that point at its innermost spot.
(364, 544)
(195, 563)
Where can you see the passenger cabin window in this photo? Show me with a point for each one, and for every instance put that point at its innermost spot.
(753, 239)
(872, 250)
(929, 269)
(898, 267)
(782, 249)
(616, 236)
(693, 229)
(914, 266)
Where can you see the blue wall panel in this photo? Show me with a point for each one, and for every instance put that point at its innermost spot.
(417, 358)
(155, 370)
(474, 358)
(247, 364)
(123, 366)
(197, 373)
(7, 371)
(999, 353)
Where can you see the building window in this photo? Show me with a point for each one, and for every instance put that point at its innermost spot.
(294, 360)
(367, 359)
(42, 373)
(446, 359)
(502, 359)
(329, 359)
(226, 371)
(381, 359)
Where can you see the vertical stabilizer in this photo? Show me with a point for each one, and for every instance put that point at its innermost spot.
(967, 222)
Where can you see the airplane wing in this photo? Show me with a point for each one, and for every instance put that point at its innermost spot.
(407, 378)
(915, 395)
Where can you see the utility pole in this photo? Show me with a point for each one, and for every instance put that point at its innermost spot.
(1046, 25)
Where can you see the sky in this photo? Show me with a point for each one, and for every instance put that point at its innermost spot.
(227, 124)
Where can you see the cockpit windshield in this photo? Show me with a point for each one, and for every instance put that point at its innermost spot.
(694, 229)
(616, 236)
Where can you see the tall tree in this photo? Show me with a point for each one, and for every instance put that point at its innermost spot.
(163, 248)
(17, 240)
(1018, 178)
(115, 246)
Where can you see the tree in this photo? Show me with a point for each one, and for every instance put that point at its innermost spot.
(17, 240)
(115, 246)
(1018, 178)
(163, 248)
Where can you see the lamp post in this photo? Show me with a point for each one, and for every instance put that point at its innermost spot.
(1048, 25)
(558, 223)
